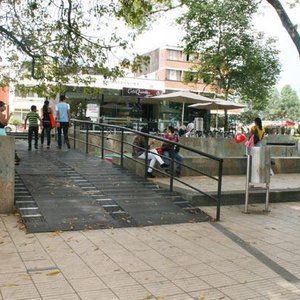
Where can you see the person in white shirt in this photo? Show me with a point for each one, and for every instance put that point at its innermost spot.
(63, 116)
(189, 128)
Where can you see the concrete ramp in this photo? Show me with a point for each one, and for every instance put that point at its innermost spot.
(68, 190)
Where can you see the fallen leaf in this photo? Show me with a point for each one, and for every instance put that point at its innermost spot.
(53, 273)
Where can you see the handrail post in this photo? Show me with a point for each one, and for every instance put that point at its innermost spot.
(219, 189)
(87, 139)
(102, 142)
(74, 135)
(172, 168)
(122, 146)
(146, 155)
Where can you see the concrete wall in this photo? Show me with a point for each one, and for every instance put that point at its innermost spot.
(7, 173)
(217, 146)
(227, 147)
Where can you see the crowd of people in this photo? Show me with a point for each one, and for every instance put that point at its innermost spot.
(47, 119)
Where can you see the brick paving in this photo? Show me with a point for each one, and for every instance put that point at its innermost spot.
(181, 261)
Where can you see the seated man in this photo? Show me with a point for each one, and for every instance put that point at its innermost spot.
(172, 136)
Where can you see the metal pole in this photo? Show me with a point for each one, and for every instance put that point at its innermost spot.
(146, 155)
(219, 190)
(172, 168)
(102, 142)
(74, 135)
(267, 197)
(138, 107)
(87, 138)
(122, 146)
(247, 184)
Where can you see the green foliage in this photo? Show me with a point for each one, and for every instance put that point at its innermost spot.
(78, 108)
(248, 116)
(15, 121)
(284, 105)
(137, 13)
(231, 57)
(58, 41)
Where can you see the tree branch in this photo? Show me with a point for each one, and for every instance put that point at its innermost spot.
(10, 35)
(287, 23)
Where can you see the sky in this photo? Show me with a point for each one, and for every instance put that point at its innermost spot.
(165, 32)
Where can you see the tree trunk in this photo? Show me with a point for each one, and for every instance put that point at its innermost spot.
(287, 23)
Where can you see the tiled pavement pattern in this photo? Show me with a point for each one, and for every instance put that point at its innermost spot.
(279, 182)
(177, 262)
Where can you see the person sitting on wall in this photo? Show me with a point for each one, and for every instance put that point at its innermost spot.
(139, 151)
(167, 149)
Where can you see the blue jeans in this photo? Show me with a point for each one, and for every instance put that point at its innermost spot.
(47, 130)
(64, 127)
(33, 131)
(177, 157)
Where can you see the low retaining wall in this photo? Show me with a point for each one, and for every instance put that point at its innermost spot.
(7, 173)
(231, 165)
(217, 146)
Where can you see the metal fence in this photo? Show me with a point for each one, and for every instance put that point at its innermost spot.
(82, 133)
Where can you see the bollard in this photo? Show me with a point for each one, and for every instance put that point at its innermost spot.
(258, 171)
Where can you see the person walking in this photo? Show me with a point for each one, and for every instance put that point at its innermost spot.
(45, 113)
(139, 151)
(33, 129)
(63, 116)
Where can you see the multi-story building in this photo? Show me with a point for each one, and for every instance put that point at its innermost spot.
(169, 64)
(172, 65)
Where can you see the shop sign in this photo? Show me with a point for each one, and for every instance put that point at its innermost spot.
(92, 110)
(140, 92)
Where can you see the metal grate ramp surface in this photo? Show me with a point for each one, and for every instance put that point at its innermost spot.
(72, 191)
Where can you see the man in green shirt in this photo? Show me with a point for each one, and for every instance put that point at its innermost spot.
(33, 118)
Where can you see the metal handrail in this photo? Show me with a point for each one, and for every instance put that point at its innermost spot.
(109, 128)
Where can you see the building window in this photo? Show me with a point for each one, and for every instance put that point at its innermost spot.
(20, 114)
(174, 75)
(192, 57)
(174, 55)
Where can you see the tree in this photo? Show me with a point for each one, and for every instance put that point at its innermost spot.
(144, 10)
(284, 105)
(56, 41)
(273, 111)
(231, 56)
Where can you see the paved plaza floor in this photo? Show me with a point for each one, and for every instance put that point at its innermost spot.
(234, 183)
(245, 256)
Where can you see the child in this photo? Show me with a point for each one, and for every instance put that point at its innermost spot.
(33, 118)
